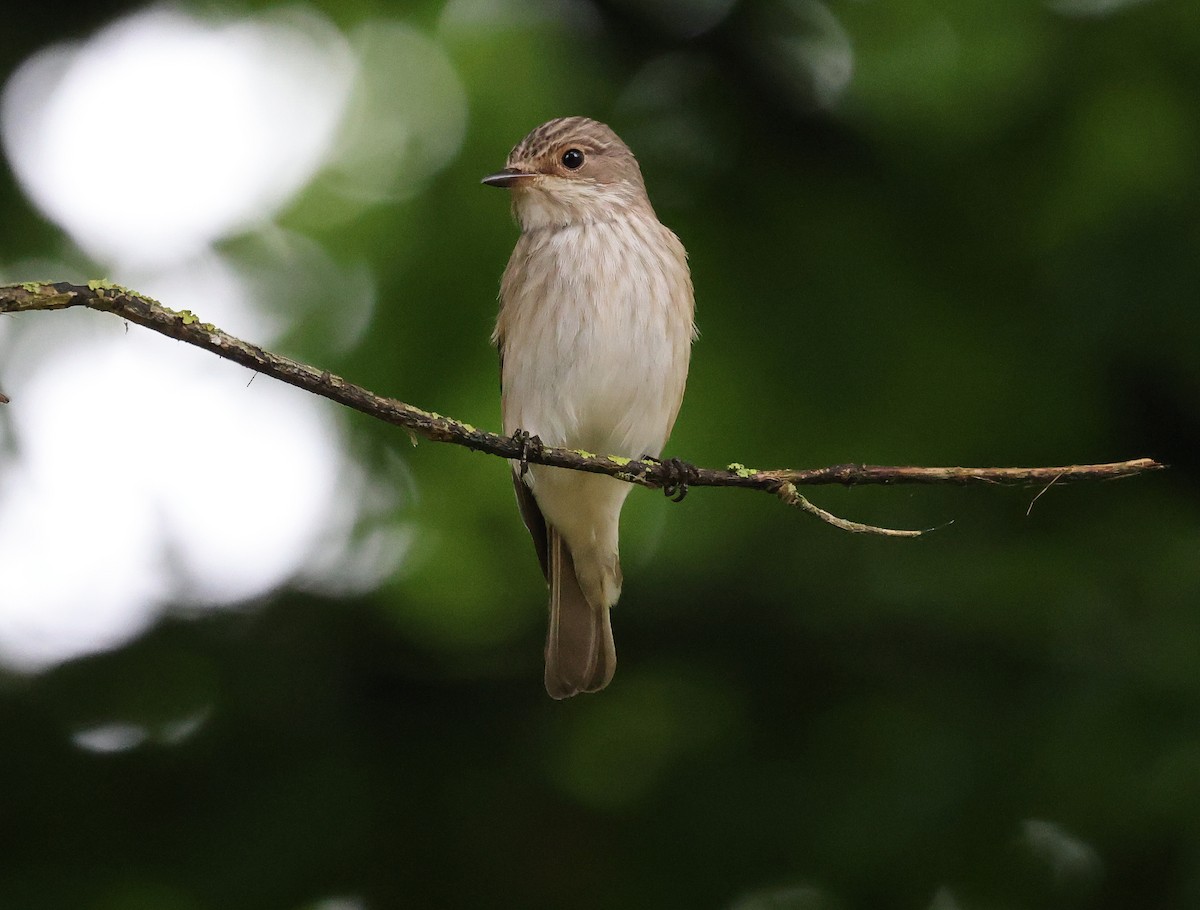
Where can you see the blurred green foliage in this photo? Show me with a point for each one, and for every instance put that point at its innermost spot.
(985, 252)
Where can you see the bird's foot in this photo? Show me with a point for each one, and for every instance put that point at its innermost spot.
(528, 445)
(680, 474)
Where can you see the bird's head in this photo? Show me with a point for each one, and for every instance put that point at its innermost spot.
(571, 170)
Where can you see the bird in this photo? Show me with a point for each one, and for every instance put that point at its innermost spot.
(594, 332)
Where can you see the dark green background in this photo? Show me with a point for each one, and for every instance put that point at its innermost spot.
(988, 252)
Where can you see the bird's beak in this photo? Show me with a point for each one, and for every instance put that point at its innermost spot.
(508, 177)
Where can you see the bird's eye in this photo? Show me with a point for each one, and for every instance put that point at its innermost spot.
(572, 159)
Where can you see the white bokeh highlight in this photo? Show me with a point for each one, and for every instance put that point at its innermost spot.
(165, 131)
(139, 474)
(149, 474)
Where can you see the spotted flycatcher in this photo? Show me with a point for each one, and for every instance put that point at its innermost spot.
(594, 333)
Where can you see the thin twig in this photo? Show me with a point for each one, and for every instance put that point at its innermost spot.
(1029, 511)
(185, 326)
(791, 496)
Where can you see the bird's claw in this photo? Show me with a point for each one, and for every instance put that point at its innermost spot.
(528, 445)
(680, 474)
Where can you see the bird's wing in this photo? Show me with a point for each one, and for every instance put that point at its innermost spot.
(531, 514)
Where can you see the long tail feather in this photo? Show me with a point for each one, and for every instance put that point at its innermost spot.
(580, 654)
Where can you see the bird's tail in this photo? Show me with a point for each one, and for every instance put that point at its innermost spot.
(580, 654)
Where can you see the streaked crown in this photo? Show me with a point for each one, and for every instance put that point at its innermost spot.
(605, 157)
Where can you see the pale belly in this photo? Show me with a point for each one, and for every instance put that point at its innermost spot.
(606, 393)
(596, 356)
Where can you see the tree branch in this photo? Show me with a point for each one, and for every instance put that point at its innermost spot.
(185, 326)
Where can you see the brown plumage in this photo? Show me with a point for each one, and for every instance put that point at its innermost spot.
(594, 334)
